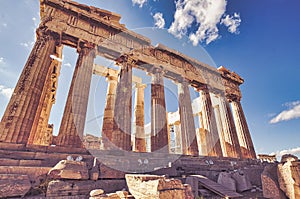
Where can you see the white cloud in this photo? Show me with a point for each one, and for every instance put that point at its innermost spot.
(293, 112)
(232, 22)
(2, 61)
(159, 21)
(205, 15)
(68, 64)
(28, 45)
(139, 2)
(294, 151)
(6, 92)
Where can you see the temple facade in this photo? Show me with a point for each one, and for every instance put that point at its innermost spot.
(223, 129)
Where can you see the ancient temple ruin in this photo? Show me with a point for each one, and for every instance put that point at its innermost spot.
(96, 32)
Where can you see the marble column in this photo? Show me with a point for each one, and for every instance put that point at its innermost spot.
(24, 104)
(188, 131)
(233, 147)
(140, 140)
(242, 130)
(178, 139)
(121, 136)
(213, 145)
(108, 119)
(73, 121)
(41, 132)
(159, 125)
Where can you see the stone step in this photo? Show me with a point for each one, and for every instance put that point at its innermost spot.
(35, 174)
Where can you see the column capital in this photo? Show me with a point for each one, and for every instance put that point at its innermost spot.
(87, 48)
(140, 85)
(233, 98)
(126, 59)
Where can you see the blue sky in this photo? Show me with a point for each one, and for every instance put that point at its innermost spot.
(257, 39)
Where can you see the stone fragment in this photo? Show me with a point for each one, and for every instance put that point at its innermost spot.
(226, 180)
(96, 192)
(242, 182)
(193, 182)
(270, 183)
(13, 185)
(66, 169)
(122, 194)
(59, 188)
(188, 193)
(154, 187)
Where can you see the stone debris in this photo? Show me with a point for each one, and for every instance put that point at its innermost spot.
(226, 180)
(67, 169)
(14, 185)
(285, 177)
(242, 181)
(156, 187)
(270, 183)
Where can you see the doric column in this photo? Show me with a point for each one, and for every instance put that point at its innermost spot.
(188, 131)
(18, 118)
(41, 132)
(242, 130)
(233, 147)
(178, 139)
(108, 119)
(121, 136)
(73, 121)
(140, 141)
(159, 126)
(213, 146)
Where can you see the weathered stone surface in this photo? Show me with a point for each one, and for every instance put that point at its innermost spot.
(296, 176)
(66, 169)
(288, 158)
(122, 194)
(96, 192)
(270, 183)
(285, 179)
(193, 182)
(154, 187)
(226, 180)
(242, 181)
(188, 193)
(12, 185)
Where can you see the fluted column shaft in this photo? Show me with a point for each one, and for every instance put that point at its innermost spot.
(73, 121)
(18, 118)
(140, 141)
(121, 136)
(40, 134)
(108, 118)
(213, 146)
(243, 130)
(233, 148)
(159, 126)
(188, 131)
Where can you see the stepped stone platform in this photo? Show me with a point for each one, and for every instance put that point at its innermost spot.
(111, 167)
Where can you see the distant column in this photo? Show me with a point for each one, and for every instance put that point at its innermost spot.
(188, 131)
(121, 136)
(243, 130)
(18, 118)
(73, 121)
(159, 126)
(108, 119)
(178, 139)
(233, 148)
(213, 146)
(140, 140)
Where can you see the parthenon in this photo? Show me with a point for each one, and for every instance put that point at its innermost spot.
(223, 130)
